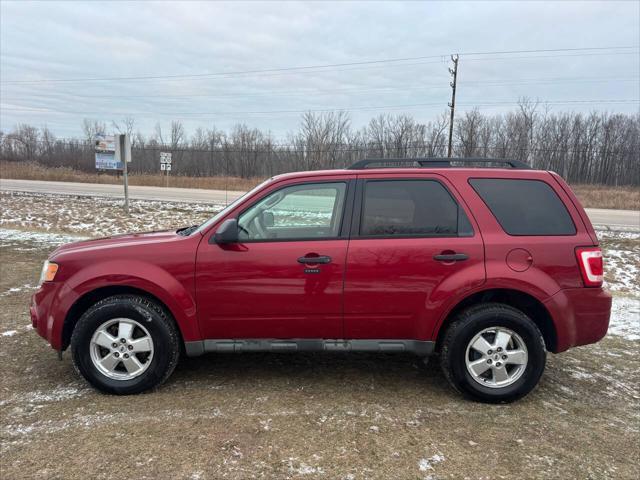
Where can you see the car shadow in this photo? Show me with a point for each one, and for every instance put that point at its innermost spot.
(294, 370)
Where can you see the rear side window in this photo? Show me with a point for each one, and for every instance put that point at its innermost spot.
(411, 208)
(525, 207)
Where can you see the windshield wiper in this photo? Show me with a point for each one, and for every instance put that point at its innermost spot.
(187, 230)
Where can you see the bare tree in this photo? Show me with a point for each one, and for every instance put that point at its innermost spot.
(91, 128)
(125, 126)
(593, 148)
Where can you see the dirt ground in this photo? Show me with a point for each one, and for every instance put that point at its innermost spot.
(345, 416)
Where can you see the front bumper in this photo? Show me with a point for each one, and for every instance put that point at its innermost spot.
(581, 316)
(46, 317)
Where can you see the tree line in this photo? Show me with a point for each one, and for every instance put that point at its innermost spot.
(598, 147)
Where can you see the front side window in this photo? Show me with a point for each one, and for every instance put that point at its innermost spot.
(297, 212)
(221, 214)
(411, 208)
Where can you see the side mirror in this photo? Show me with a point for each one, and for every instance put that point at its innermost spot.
(227, 232)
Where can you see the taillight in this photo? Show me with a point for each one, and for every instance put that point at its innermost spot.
(591, 266)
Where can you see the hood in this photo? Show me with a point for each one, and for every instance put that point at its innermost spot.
(116, 241)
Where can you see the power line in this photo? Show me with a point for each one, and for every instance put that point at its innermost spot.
(317, 92)
(311, 67)
(324, 110)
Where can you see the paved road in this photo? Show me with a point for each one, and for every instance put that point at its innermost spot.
(612, 219)
(117, 191)
(615, 219)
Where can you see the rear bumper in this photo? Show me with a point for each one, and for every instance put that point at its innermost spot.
(46, 318)
(581, 316)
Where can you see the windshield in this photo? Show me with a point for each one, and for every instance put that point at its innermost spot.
(231, 206)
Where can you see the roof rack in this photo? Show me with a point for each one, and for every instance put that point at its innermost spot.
(437, 162)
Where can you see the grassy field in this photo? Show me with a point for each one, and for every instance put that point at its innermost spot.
(33, 171)
(603, 196)
(351, 416)
(591, 196)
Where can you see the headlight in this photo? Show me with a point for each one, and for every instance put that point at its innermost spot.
(49, 270)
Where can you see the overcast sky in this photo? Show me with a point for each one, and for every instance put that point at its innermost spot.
(76, 41)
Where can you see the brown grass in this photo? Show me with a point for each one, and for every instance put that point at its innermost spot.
(34, 171)
(591, 196)
(604, 196)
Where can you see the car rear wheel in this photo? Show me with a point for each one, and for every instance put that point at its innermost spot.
(493, 353)
(125, 344)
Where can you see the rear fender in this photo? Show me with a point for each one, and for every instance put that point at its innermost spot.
(531, 287)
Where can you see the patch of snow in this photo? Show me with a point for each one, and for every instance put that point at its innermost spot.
(266, 424)
(303, 468)
(9, 333)
(77, 214)
(581, 375)
(613, 234)
(57, 394)
(426, 464)
(9, 235)
(621, 265)
(625, 318)
(27, 286)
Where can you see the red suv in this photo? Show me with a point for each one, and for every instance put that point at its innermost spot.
(488, 267)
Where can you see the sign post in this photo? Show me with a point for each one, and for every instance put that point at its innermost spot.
(113, 152)
(165, 165)
(123, 155)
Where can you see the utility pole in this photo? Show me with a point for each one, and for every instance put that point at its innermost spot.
(452, 105)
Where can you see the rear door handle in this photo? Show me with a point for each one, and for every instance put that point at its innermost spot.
(451, 257)
(315, 260)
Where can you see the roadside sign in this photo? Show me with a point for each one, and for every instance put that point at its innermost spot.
(113, 152)
(105, 148)
(105, 143)
(165, 165)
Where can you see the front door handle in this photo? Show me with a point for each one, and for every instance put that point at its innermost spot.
(451, 257)
(315, 260)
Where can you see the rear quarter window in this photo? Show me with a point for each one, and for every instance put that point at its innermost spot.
(525, 207)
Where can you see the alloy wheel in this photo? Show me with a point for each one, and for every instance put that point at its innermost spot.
(496, 357)
(121, 349)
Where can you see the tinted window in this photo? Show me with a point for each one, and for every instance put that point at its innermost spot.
(525, 207)
(411, 208)
(295, 212)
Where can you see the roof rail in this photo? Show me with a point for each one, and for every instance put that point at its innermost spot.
(437, 162)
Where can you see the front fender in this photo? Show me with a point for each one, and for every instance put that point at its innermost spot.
(176, 296)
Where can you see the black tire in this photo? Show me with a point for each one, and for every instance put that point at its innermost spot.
(160, 326)
(466, 326)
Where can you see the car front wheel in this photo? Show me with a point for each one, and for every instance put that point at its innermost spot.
(125, 344)
(493, 353)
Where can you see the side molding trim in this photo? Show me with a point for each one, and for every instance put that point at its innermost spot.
(417, 347)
